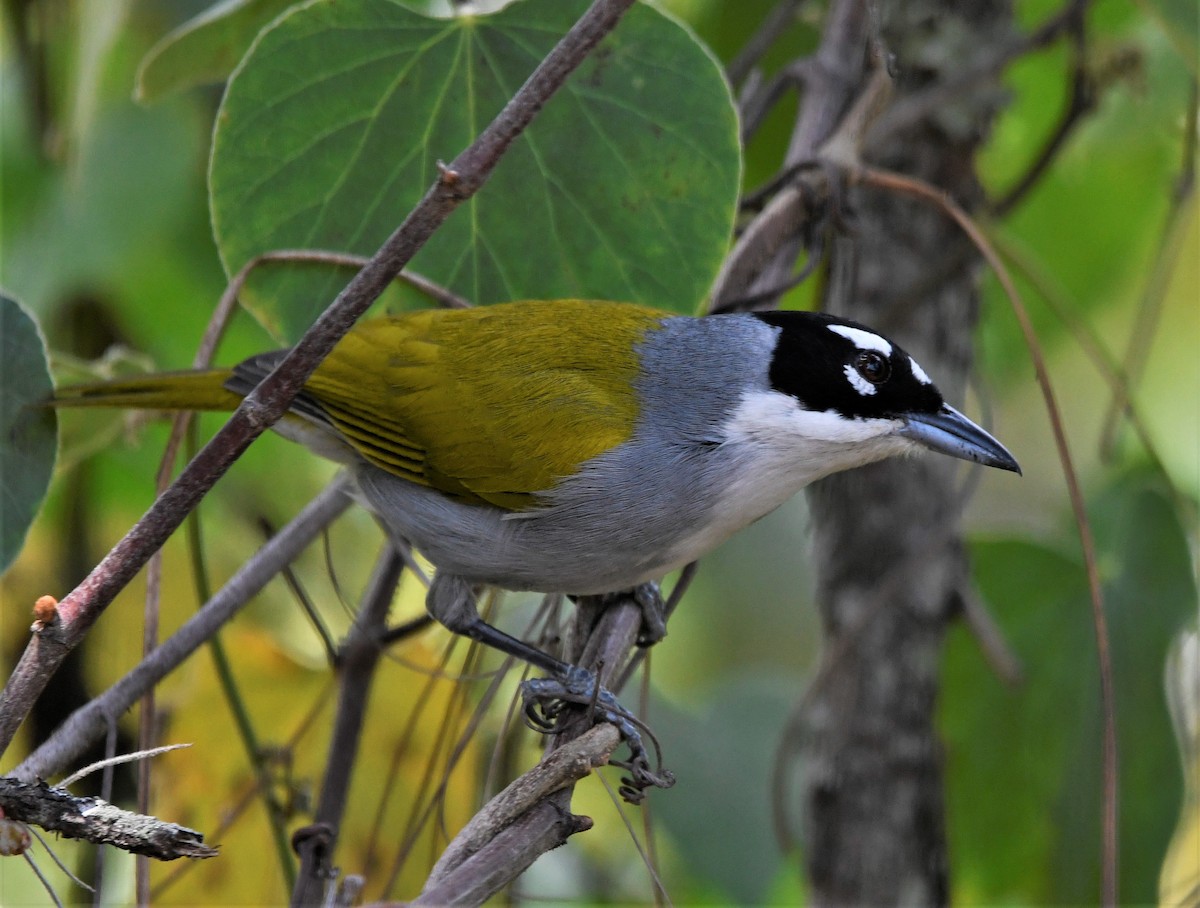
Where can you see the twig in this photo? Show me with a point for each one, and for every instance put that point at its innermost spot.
(917, 106)
(247, 735)
(66, 871)
(89, 722)
(100, 822)
(37, 871)
(116, 761)
(546, 826)
(267, 402)
(252, 790)
(357, 660)
(1151, 304)
(780, 16)
(987, 634)
(764, 254)
(897, 183)
(1057, 300)
(443, 296)
(1081, 102)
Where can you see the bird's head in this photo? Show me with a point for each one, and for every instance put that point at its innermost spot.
(851, 389)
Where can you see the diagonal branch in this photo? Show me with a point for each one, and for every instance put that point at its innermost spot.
(89, 722)
(263, 406)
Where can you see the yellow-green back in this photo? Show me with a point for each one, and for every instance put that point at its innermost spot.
(493, 404)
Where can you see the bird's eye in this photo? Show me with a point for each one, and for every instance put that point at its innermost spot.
(873, 366)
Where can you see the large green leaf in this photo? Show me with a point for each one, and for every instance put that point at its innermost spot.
(204, 49)
(1036, 751)
(27, 433)
(623, 188)
(207, 47)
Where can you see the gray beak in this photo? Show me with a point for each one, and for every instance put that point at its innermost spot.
(949, 432)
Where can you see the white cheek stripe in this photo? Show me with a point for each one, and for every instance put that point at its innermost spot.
(919, 373)
(864, 340)
(861, 385)
(775, 419)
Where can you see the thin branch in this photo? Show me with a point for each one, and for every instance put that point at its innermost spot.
(117, 761)
(775, 22)
(357, 660)
(247, 735)
(1150, 308)
(1058, 301)
(545, 827)
(898, 183)
(99, 822)
(37, 871)
(59, 863)
(497, 849)
(764, 255)
(1081, 102)
(268, 402)
(90, 721)
(435, 291)
(252, 790)
(990, 638)
(917, 106)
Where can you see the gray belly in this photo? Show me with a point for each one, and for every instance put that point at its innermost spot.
(579, 543)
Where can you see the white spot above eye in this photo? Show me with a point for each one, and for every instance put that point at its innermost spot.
(919, 373)
(864, 340)
(861, 385)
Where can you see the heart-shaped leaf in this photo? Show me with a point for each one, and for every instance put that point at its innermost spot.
(330, 131)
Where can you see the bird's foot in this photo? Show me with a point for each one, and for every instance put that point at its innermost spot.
(649, 599)
(543, 702)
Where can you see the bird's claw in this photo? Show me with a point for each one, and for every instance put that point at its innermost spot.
(543, 702)
(649, 599)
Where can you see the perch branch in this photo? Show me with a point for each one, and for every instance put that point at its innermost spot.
(561, 768)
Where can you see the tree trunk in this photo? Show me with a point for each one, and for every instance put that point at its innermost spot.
(887, 545)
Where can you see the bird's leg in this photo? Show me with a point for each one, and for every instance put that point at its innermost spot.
(451, 601)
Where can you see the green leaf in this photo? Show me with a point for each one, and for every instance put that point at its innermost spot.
(721, 752)
(27, 434)
(998, 741)
(1036, 750)
(623, 188)
(1150, 592)
(204, 49)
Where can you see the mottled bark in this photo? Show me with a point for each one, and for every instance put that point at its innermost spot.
(889, 556)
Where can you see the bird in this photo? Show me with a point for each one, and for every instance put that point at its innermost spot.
(584, 447)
